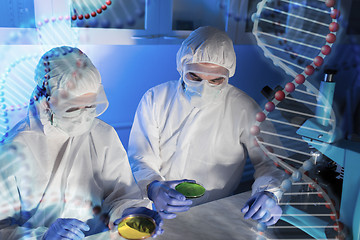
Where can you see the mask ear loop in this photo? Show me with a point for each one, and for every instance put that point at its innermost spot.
(52, 119)
(182, 79)
(50, 110)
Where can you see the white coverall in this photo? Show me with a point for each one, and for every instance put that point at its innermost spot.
(75, 174)
(74, 167)
(171, 139)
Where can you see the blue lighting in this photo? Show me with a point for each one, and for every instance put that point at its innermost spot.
(17, 14)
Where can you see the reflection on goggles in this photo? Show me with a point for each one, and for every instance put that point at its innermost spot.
(61, 105)
(213, 70)
(73, 109)
(215, 80)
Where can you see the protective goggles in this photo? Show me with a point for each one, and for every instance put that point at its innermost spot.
(61, 102)
(208, 72)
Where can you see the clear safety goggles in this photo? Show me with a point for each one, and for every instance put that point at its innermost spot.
(62, 102)
(209, 72)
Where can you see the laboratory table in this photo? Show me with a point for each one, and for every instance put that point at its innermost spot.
(217, 220)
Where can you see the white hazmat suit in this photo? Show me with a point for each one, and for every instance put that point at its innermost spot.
(172, 138)
(79, 161)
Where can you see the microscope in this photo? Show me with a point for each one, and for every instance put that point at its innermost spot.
(345, 153)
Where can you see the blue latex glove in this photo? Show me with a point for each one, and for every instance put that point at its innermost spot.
(66, 228)
(143, 210)
(97, 224)
(166, 199)
(263, 208)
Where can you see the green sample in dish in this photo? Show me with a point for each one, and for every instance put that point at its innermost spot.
(190, 190)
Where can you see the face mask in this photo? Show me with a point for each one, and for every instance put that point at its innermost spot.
(76, 122)
(201, 93)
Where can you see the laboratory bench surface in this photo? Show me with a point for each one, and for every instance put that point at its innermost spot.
(218, 220)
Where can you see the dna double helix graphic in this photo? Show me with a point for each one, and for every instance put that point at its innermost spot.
(57, 31)
(17, 84)
(88, 8)
(107, 14)
(297, 35)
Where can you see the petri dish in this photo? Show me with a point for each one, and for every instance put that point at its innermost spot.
(136, 227)
(190, 190)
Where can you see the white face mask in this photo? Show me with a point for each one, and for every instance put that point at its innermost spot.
(201, 93)
(76, 122)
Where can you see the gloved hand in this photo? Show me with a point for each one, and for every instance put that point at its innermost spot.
(99, 223)
(66, 228)
(263, 208)
(166, 199)
(143, 210)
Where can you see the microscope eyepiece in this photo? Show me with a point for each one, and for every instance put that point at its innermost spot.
(329, 73)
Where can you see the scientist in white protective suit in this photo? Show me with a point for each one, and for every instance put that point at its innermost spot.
(198, 128)
(81, 170)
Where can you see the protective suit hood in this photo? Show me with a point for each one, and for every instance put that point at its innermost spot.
(207, 45)
(69, 93)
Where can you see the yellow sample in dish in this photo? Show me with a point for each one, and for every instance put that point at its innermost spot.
(136, 227)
